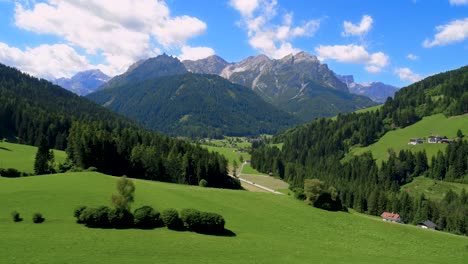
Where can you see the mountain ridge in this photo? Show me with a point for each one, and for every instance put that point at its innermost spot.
(83, 83)
(194, 105)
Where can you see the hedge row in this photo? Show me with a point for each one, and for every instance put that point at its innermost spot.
(147, 218)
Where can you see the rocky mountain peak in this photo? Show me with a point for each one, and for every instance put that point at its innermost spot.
(210, 65)
(83, 82)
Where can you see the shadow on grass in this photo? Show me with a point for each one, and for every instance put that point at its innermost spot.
(224, 233)
(3, 148)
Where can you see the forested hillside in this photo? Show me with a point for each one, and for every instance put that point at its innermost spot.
(31, 109)
(195, 105)
(315, 150)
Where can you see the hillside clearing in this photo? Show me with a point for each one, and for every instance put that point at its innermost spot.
(398, 139)
(432, 189)
(21, 157)
(269, 228)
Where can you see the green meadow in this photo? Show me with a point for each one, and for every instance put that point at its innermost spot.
(398, 139)
(432, 189)
(268, 228)
(21, 157)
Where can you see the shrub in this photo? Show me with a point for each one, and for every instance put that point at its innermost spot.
(77, 213)
(16, 216)
(120, 218)
(202, 222)
(203, 183)
(191, 219)
(171, 219)
(146, 218)
(211, 223)
(37, 218)
(10, 173)
(92, 169)
(95, 217)
(325, 201)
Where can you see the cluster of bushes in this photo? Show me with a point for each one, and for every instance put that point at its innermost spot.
(148, 218)
(37, 218)
(202, 222)
(12, 173)
(120, 216)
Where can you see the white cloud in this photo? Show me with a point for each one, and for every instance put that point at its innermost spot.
(364, 26)
(353, 54)
(454, 31)
(412, 57)
(245, 7)
(270, 38)
(46, 61)
(458, 2)
(406, 74)
(122, 32)
(195, 53)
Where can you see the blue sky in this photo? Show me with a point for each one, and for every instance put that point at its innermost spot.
(397, 42)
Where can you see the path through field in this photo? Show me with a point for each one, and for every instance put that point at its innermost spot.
(260, 183)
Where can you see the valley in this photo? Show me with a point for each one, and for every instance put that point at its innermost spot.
(233, 131)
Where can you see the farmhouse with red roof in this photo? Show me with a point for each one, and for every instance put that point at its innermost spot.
(391, 217)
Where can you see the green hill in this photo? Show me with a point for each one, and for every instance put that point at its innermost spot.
(268, 228)
(21, 157)
(398, 139)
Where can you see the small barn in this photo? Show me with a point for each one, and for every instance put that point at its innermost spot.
(428, 224)
(391, 217)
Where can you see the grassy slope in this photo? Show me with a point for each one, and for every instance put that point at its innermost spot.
(364, 110)
(432, 189)
(269, 228)
(398, 139)
(21, 157)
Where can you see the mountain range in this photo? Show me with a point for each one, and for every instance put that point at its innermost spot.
(298, 84)
(161, 94)
(376, 91)
(84, 82)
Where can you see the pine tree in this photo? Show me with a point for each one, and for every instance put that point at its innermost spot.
(43, 163)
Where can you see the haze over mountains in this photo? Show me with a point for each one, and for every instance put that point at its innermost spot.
(376, 91)
(84, 82)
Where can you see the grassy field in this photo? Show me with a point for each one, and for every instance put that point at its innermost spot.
(269, 228)
(230, 153)
(432, 189)
(21, 157)
(398, 139)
